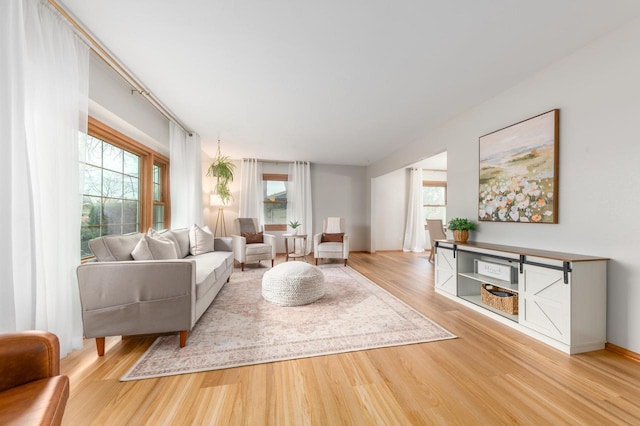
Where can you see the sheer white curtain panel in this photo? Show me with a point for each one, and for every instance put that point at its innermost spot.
(44, 78)
(185, 172)
(414, 237)
(299, 199)
(251, 191)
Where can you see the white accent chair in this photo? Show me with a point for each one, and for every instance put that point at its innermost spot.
(331, 249)
(436, 232)
(245, 252)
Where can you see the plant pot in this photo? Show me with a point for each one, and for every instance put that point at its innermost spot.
(294, 231)
(460, 236)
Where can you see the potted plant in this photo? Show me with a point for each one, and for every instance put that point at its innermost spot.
(461, 227)
(222, 169)
(294, 224)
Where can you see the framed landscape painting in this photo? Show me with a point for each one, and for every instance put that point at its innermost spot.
(519, 172)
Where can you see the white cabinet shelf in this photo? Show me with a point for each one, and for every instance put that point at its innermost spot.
(488, 280)
(561, 296)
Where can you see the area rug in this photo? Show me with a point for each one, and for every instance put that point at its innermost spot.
(240, 328)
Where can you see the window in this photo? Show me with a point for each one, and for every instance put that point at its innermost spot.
(160, 194)
(125, 185)
(434, 198)
(275, 201)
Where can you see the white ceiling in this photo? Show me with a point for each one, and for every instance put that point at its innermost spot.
(336, 81)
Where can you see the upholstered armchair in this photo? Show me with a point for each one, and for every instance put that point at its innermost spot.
(436, 232)
(251, 244)
(32, 391)
(332, 242)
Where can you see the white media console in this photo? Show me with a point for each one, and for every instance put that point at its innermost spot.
(561, 297)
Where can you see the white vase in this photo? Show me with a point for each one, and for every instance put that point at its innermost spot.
(294, 231)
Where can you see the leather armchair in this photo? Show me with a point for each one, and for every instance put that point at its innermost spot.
(32, 391)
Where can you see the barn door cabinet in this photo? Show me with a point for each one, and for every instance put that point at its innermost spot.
(561, 297)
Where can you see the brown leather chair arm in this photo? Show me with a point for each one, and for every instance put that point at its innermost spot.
(28, 356)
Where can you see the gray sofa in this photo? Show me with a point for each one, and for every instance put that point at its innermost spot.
(123, 296)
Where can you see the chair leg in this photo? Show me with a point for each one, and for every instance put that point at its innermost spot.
(242, 267)
(345, 262)
(183, 338)
(100, 345)
(316, 261)
(228, 278)
(430, 255)
(272, 261)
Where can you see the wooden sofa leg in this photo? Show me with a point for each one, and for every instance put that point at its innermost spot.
(345, 262)
(100, 345)
(242, 267)
(228, 278)
(272, 260)
(316, 261)
(183, 338)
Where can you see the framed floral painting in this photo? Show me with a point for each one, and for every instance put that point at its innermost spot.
(519, 172)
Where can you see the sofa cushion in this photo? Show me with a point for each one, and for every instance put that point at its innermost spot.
(150, 248)
(112, 248)
(209, 268)
(331, 247)
(200, 240)
(181, 236)
(258, 248)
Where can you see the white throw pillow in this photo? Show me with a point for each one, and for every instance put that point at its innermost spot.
(200, 240)
(149, 248)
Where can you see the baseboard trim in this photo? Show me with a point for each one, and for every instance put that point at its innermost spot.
(622, 351)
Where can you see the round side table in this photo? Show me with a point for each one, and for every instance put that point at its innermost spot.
(292, 254)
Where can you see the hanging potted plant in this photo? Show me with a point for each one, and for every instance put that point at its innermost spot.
(461, 227)
(222, 169)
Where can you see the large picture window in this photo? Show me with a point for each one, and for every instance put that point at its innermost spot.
(125, 185)
(275, 201)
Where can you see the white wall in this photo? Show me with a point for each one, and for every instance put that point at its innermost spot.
(597, 90)
(111, 101)
(341, 191)
(390, 212)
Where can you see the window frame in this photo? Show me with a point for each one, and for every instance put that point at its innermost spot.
(438, 184)
(148, 157)
(282, 177)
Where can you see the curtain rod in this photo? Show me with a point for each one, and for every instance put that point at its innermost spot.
(275, 161)
(115, 65)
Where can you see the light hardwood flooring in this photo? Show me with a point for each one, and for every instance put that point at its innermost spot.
(490, 375)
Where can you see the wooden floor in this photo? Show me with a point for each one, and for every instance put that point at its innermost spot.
(490, 375)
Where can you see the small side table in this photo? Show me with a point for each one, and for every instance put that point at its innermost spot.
(293, 254)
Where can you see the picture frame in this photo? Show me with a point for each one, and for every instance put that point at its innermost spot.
(518, 173)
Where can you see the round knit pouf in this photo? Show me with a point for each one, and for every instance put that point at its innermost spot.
(293, 284)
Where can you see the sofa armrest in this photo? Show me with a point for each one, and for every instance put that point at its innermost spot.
(28, 356)
(317, 239)
(109, 291)
(271, 240)
(223, 244)
(345, 246)
(239, 245)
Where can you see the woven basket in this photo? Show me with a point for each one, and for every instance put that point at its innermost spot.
(507, 304)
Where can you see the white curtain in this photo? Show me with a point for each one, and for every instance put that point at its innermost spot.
(299, 199)
(414, 228)
(186, 178)
(44, 71)
(251, 192)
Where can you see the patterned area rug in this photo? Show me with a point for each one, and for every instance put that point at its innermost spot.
(240, 328)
